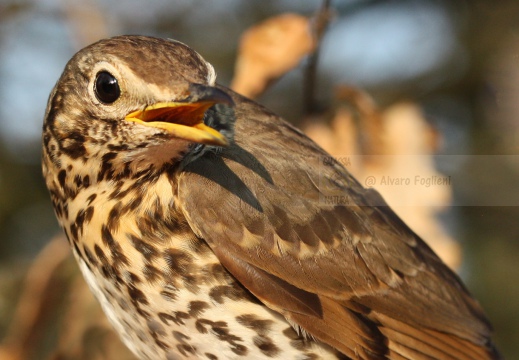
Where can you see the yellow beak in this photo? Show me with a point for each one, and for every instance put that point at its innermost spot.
(185, 120)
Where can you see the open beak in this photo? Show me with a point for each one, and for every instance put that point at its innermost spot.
(185, 119)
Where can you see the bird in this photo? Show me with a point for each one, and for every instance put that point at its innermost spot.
(209, 228)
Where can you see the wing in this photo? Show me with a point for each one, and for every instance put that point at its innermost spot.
(310, 242)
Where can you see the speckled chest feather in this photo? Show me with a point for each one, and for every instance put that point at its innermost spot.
(162, 288)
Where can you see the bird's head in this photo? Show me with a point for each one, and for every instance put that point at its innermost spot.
(135, 102)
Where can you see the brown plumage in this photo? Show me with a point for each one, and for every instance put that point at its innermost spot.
(208, 227)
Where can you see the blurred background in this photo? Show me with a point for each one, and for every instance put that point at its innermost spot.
(455, 61)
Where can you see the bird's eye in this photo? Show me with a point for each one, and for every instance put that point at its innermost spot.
(106, 87)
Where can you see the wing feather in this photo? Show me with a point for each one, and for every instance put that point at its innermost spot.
(351, 274)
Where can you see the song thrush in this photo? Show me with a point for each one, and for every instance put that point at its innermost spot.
(208, 227)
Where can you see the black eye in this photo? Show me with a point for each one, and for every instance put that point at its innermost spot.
(106, 87)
